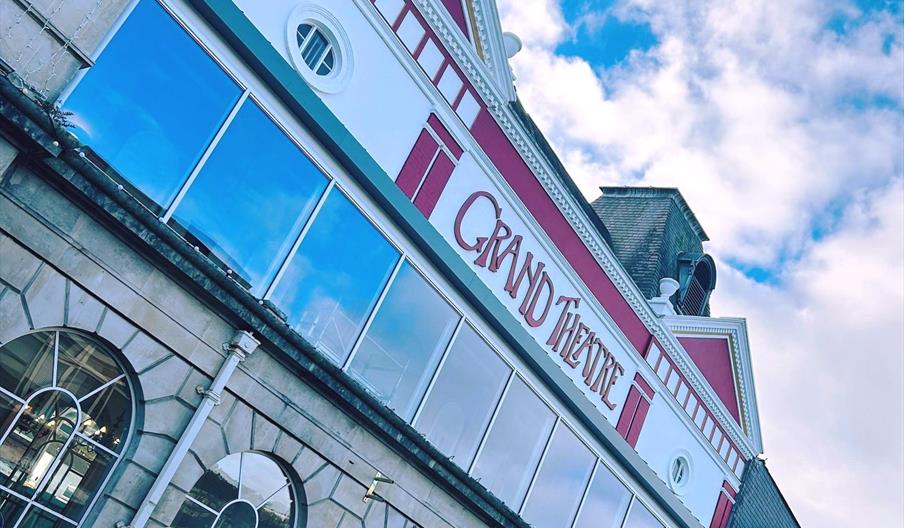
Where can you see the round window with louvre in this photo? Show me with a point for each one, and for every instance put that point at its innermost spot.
(319, 48)
(679, 473)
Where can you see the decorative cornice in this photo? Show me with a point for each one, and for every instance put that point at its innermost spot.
(477, 73)
(735, 329)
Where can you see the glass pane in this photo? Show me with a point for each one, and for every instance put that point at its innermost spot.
(512, 451)
(106, 416)
(35, 441)
(640, 517)
(10, 509)
(150, 110)
(219, 485)
(335, 277)
(192, 515)
(561, 481)
(261, 477)
(250, 200)
(237, 515)
(278, 512)
(303, 31)
(36, 518)
(606, 502)
(314, 47)
(404, 342)
(79, 476)
(462, 401)
(83, 365)
(8, 410)
(27, 364)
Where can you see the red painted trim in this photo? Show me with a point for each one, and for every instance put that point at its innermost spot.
(442, 69)
(628, 411)
(397, 23)
(730, 490)
(420, 45)
(445, 136)
(637, 424)
(457, 12)
(436, 182)
(461, 94)
(719, 514)
(416, 165)
(642, 383)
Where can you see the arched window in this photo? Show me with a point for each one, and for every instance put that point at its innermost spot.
(243, 490)
(66, 412)
(700, 284)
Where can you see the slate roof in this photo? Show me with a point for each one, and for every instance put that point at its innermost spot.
(650, 228)
(760, 504)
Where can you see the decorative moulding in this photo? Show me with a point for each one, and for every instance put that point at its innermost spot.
(478, 74)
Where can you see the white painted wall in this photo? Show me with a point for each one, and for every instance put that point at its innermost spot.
(469, 177)
(663, 436)
(381, 105)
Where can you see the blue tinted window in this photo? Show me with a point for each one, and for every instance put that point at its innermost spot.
(250, 200)
(512, 450)
(335, 277)
(463, 398)
(152, 103)
(561, 481)
(606, 503)
(640, 517)
(405, 341)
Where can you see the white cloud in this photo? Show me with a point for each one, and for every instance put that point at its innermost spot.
(766, 122)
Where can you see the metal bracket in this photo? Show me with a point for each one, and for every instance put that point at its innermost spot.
(372, 490)
(209, 394)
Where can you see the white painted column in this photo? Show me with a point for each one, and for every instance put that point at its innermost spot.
(240, 346)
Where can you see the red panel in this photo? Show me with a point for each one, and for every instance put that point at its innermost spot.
(719, 514)
(444, 135)
(457, 11)
(728, 489)
(637, 424)
(506, 158)
(417, 163)
(713, 357)
(628, 411)
(433, 187)
(642, 383)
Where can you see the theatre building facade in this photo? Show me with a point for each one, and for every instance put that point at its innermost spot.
(308, 263)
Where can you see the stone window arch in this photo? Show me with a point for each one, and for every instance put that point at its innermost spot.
(243, 490)
(66, 414)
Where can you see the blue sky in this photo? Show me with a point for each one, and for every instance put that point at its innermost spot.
(782, 125)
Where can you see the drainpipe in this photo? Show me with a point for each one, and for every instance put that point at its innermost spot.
(241, 345)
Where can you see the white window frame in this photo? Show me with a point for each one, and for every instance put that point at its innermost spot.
(328, 25)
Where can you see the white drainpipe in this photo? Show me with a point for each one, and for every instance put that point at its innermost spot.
(240, 346)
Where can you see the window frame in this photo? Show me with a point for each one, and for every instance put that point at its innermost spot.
(117, 458)
(329, 26)
(250, 83)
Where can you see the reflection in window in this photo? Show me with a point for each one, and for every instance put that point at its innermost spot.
(253, 195)
(516, 440)
(640, 517)
(561, 481)
(606, 503)
(335, 277)
(150, 110)
(246, 490)
(462, 400)
(405, 341)
(65, 412)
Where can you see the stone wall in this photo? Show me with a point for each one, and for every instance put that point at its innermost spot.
(61, 267)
